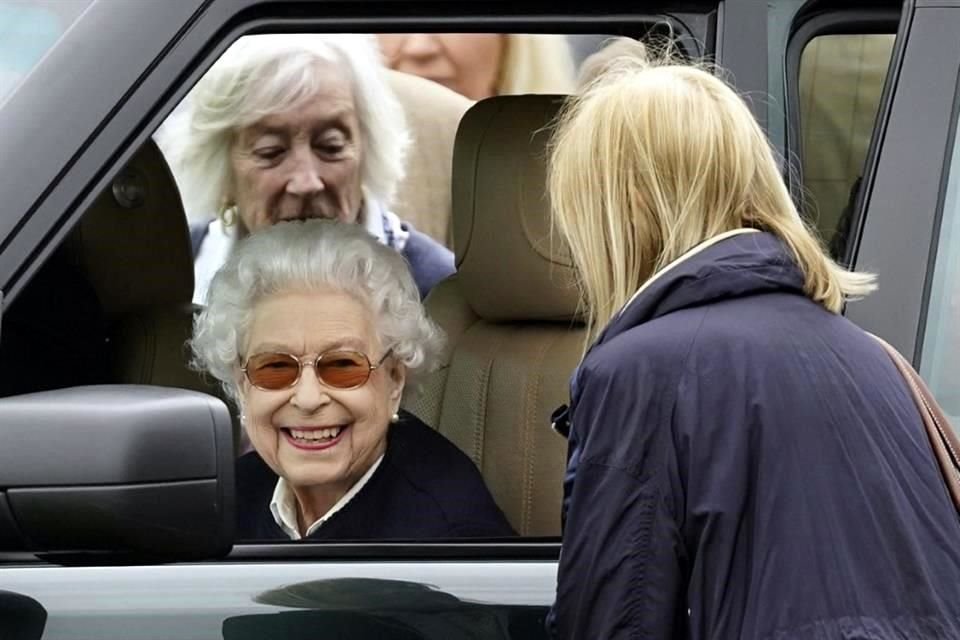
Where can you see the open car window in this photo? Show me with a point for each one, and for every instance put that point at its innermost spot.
(129, 269)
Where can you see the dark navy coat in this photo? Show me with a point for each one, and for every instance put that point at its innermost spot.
(746, 464)
(425, 487)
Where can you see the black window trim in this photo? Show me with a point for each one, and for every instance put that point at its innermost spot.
(530, 549)
(521, 549)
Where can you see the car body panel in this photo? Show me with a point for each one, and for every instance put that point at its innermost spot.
(193, 600)
(906, 183)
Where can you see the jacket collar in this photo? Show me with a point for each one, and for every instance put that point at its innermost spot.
(737, 263)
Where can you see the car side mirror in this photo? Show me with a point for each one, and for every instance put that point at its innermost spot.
(132, 473)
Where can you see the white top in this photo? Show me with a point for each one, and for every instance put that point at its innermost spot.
(219, 241)
(283, 506)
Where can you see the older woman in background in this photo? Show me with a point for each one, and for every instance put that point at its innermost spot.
(290, 126)
(480, 65)
(315, 328)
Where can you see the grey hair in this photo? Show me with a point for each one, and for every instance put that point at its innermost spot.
(265, 74)
(308, 255)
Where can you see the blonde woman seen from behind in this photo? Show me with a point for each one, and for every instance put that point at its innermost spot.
(744, 462)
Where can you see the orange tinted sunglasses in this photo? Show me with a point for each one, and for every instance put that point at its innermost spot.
(339, 368)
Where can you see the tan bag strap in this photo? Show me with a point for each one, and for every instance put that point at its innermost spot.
(946, 445)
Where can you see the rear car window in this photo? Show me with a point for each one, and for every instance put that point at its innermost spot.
(841, 82)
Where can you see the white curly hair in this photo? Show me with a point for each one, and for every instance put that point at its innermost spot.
(261, 75)
(305, 255)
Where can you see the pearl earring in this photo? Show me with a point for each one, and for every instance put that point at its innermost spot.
(395, 418)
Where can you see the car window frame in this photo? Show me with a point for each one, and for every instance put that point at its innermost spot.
(742, 47)
(946, 176)
(210, 30)
(898, 226)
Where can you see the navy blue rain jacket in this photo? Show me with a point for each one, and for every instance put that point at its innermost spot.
(745, 464)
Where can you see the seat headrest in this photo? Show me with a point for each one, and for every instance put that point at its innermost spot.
(133, 243)
(511, 263)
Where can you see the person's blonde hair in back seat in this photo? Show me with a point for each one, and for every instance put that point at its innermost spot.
(536, 63)
(482, 65)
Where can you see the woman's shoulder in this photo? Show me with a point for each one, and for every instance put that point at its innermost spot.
(412, 443)
(438, 471)
(649, 349)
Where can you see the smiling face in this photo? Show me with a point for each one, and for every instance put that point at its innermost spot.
(301, 163)
(468, 63)
(321, 439)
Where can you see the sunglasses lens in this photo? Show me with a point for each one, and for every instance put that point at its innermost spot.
(272, 370)
(343, 369)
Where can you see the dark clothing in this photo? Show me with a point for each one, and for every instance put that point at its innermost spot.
(425, 487)
(745, 464)
(430, 262)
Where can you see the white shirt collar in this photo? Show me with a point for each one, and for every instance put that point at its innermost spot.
(697, 249)
(372, 220)
(383, 224)
(283, 505)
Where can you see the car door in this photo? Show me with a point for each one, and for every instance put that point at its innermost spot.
(80, 115)
(909, 211)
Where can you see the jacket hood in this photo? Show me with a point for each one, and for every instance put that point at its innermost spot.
(741, 263)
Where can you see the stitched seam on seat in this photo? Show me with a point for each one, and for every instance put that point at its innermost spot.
(531, 401)
(480, 418)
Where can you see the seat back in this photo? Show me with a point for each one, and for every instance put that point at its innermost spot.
(433, 113)
(510, 313)
(133, 246)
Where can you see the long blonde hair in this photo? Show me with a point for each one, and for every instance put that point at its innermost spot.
(655, 157)
(536, 63)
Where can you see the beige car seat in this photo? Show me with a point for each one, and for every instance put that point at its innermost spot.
(133, 246)
(510, 314)
(433, 113)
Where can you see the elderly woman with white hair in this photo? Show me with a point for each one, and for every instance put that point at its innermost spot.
(314, 329)
(290, 126)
